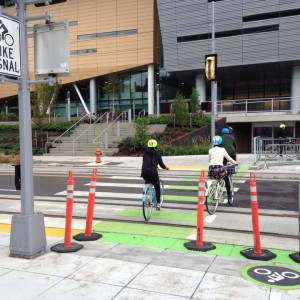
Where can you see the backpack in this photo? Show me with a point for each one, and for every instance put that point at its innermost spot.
(148, 166)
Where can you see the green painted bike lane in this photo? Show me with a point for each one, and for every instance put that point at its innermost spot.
(171, 237)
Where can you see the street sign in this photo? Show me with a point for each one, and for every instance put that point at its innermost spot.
(10, 56)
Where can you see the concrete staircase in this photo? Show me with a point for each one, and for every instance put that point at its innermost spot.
(85, 139)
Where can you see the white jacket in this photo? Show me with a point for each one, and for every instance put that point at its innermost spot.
(216, 156)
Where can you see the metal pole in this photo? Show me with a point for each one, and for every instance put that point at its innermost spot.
(68, 106)
(27, 239)
(157, 100)
(133, 107)
(213, 83)
(6, 107)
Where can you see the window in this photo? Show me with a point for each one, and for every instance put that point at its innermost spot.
(83, 51)
(107, 34)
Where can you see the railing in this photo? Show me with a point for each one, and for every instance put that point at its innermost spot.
(259, 105)
(276, 150)
(122, 117)
(142, 112)
(58, 138)
(85, 132)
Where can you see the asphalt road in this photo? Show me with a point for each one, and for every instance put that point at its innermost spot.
(272, 194)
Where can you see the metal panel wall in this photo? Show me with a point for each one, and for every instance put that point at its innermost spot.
(187, 18)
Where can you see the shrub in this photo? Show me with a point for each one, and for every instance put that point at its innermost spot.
(179, 110)
(8, 116)
(141, 132)
(168, 120)
(184, 150)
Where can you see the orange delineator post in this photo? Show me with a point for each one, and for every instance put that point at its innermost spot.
(98, 155)
(69, 210)
(200, 210)
(199, 244)
(91, 204)
(254, 209)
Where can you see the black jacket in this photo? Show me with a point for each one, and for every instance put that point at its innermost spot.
(229, 144)
(157, 160)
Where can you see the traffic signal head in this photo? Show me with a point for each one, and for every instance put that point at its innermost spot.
(211, 67)
(49, 2)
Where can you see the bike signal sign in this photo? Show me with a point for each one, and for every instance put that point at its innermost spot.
(273, 276)
(10, 59)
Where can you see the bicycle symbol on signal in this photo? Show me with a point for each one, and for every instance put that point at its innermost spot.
(5, 36)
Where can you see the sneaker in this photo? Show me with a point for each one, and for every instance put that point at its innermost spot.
(158, 207)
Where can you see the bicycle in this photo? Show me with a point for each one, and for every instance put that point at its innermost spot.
(217, 189)
(287, 148)
(149, 198)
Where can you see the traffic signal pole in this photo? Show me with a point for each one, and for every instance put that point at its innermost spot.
(214, 82)
(28, 238)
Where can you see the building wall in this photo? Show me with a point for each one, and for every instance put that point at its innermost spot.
(113, 53)
(247, 32)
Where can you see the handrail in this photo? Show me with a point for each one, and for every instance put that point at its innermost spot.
(259, 105)
(142, 111)
(93, 124)
(105, 130)
(86, 115)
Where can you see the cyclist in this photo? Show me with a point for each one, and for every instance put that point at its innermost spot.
(281, 136)
(231, 131)
(149, 172)
(229, 144)
(216, 168)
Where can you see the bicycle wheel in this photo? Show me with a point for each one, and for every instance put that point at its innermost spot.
(147, 205)
(271, 151)
(290, 150)
(230, 201)
(161, 192)
(211, 201)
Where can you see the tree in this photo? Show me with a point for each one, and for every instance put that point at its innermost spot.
(141, 132)
(194, 102)
(41, 96)
(112, 87)
(179, 110)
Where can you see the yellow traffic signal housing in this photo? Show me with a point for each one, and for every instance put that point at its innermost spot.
(211, 67)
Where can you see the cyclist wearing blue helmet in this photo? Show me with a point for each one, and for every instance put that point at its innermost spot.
(229, 144)
(216, 168)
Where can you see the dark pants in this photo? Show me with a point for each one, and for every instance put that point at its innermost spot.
(155, 183)
(227, 185)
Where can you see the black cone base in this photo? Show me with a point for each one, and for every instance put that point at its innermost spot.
(82, 237)
(60, 248)
(207, 246)
(295, 257)
(265, 254)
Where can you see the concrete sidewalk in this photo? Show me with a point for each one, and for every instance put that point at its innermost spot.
(116, 270)
(105, 270)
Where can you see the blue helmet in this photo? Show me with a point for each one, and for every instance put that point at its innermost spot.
(225, 130)
(217, 140)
